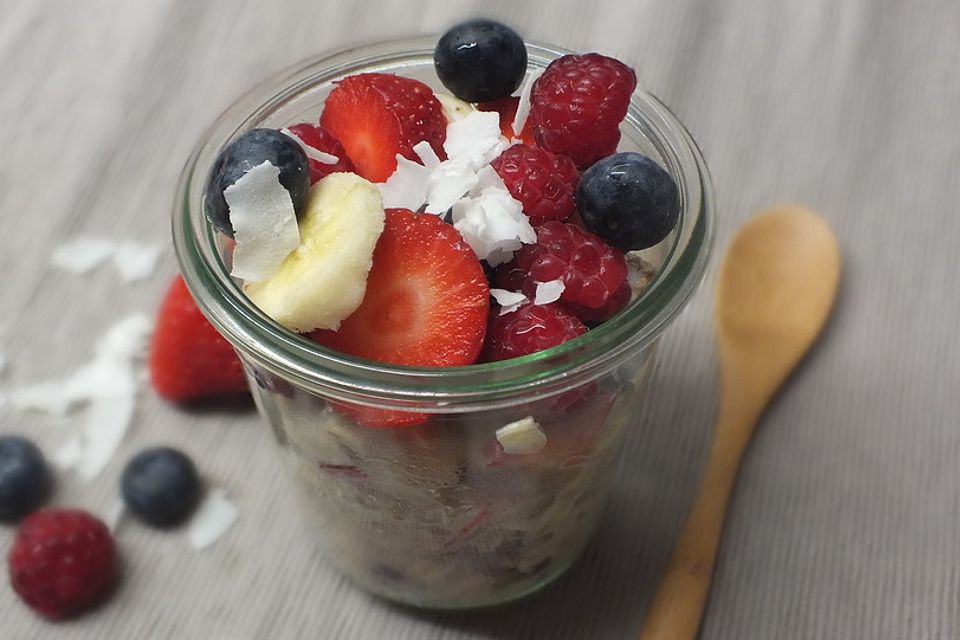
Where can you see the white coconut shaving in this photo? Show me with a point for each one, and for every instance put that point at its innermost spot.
(214, 517)
(135, 261)
(407, 186)
(115, 515)
(106, 386)
(476, 137)
(522, 437)
(427, 155)
(311, 152)
(264, 223)
(449, 182)
(548, 292)
(509, 301)
(493, 224)
(81, 255)
(523, 106)
(453, 108)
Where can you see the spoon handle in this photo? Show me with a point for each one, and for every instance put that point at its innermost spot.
(679, 603)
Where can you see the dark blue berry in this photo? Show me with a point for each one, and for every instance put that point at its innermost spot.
(628, 200)
(480, 60)
(160, 486)
(246, 152)
(24, 479)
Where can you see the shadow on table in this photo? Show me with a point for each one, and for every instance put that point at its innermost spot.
(605, 594)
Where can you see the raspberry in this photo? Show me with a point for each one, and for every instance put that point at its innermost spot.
(542, 181)
(592, 317)
(318, 138)
(592, 271)
(577, 105)
(62, 562)
(529, 329)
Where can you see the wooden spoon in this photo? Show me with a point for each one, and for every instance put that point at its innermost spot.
(776, 288)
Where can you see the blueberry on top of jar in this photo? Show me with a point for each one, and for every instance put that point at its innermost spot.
(24, 479)
(480, 60)
(251, 149)
(628, 200)
(160, 486)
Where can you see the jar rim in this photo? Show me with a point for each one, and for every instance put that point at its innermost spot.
(266, 344)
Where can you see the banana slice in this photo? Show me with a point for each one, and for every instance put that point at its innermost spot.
(323, 280)
(454, 108)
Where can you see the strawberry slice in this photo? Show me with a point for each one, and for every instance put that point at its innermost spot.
(507, 108)
(426, 301)
(188, 358)
(375, 116)
(317, 138)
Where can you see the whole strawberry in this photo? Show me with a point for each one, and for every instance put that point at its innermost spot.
(63, 561)
(577, 104)
(543, 182)
(188, 358)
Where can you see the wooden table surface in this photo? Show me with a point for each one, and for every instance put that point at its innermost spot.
(846, 520)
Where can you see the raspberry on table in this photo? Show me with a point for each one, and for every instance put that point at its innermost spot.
(529, 329)
(63, 561)
(578, 103)
(592, 271)
(542, 181)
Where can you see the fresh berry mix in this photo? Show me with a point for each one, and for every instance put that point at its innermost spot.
(530, 329)
(376, 116)
(24, 478)
(317, 138)
(578, 103)
(188, 358)
(542, 181)
(62, 562)
(629, 200)
(160, 486)
(481, 60)
(592, 272)
(246, 152)
(507, 109)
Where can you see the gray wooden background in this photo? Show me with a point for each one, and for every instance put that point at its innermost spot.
(846, 522)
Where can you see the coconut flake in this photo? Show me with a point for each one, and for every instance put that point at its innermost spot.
(548, 292)
(81, 254)
(312, 152)
(115, 515)
(449, 182)
(214, 517)
(135, 261)
(487, 178)
(476, 137)
(522, 437)
(493, 224)
(406, 188)
(453, 108)
(509, 301)
(264, 223)
(426, 154)
(523, 107)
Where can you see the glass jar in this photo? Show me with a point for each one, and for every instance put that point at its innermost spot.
(436, 514)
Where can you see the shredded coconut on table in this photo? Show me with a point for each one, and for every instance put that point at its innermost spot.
(213, 518)
(133, 260)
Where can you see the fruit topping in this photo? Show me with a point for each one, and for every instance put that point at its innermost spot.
(530, 329)
(507, 108)
(591, 271)
(322, 281)
(188, 358)
(63, 561)
(542, 181)
(480, 60)
(426, 302)
(491, 221)
(251, 149)
(376, 116)
(629, 200)
(578, 103)
(160, 486)
(325, 154)
(24, 478)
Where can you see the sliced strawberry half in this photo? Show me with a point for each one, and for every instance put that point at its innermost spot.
(507, 108)
(317, 138)
(375, 116)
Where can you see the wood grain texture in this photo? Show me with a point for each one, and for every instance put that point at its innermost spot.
(845, 522)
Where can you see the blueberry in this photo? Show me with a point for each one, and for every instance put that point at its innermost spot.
(628, 200)
(480, 60)
(24, 479)
(246, 152)
(160, 486)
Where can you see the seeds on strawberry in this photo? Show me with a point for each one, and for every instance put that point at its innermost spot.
(63, 562)
(578, 103)
(188, 358)
(542, 181)
(375, 116)
(529, 329)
